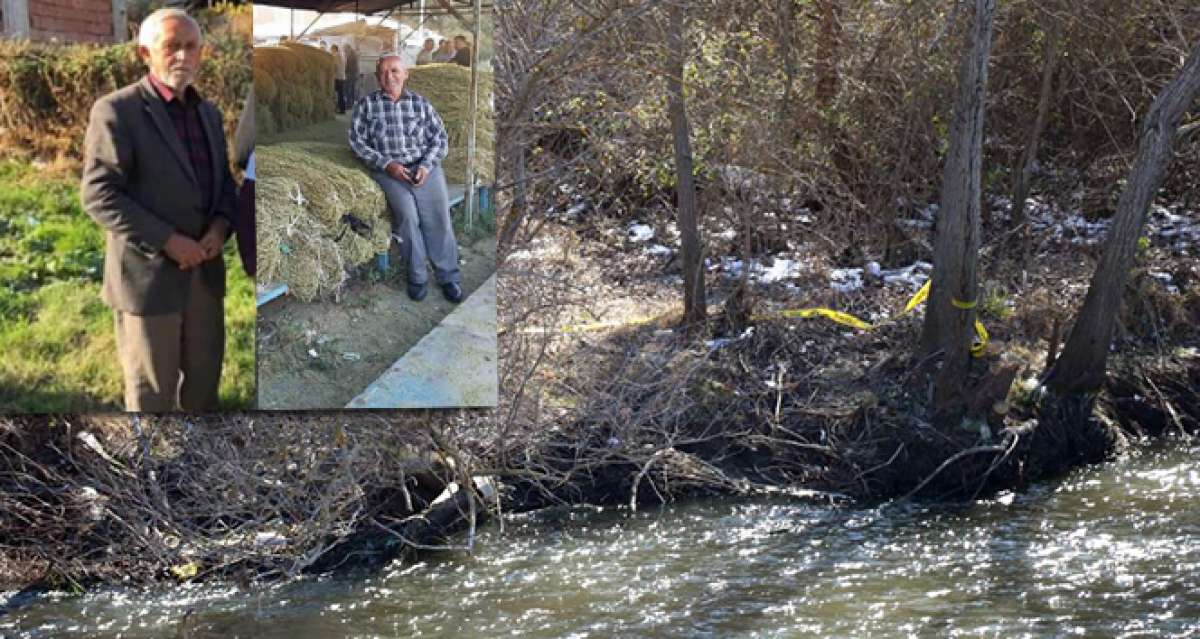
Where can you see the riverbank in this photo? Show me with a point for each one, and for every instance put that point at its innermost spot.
(1106, 550)
(604, 404)
(642, 413)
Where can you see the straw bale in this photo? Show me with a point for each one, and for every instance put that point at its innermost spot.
(297, 84)
(447, 86)
(305, 191)
(264, 96)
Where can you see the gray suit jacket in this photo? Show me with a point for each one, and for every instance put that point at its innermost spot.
(139, 185)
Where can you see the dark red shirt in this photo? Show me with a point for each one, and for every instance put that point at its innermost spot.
(185, 115)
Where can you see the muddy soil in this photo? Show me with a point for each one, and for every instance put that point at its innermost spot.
(354, 340)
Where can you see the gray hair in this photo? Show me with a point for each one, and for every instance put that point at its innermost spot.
(385, 56)
(152, 25)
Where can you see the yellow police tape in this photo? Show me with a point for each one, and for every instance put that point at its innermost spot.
(846, 319)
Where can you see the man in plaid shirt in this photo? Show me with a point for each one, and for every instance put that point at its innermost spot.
(402, 140)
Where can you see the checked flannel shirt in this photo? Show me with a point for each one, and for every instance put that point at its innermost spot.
(408, 131)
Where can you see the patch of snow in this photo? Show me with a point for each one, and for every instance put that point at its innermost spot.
(270, 539)
(1166, 279)
(846, 280)
(659, 249)
(577, 208)
(781, 269)
(915, 224)
(874, 270)
(1083, 231)
(1180, 231)
(640, 232)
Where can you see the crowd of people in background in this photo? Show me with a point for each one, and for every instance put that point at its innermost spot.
(345, 76)
(457, 51)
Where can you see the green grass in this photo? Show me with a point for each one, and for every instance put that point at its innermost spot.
(56, 336)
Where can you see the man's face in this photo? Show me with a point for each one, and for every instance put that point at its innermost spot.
(392, 75)
(460, 44)
(175, 56)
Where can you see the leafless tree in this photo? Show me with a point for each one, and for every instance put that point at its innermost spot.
(950, 315)
(1081, 367)
(694, 307)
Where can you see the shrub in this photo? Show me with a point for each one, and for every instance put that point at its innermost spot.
(47, 90)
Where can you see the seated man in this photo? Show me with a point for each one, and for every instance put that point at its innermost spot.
(402, 140)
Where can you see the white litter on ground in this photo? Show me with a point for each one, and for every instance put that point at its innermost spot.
(914, 275)
(714, 344)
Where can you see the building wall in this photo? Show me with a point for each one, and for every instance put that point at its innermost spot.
(71, 20)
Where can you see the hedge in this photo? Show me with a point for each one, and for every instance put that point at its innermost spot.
(47, 90)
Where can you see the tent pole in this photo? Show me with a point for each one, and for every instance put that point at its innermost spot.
(320, 15)
(473, 109)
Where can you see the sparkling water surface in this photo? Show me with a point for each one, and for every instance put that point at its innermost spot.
(1108, 551)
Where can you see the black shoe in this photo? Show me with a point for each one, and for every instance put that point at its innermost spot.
(416, 292)
(452, 292)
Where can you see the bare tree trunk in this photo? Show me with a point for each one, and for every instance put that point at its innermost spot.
(512, 222)
(1045, 95)
(787, 25)
(693, 272)
(829, 40)
(1081, 366)
(950, 315)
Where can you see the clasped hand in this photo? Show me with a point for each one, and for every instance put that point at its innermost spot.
(189, 253)
(397, 171)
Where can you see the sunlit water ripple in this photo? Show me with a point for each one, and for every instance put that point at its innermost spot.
(1112, 550)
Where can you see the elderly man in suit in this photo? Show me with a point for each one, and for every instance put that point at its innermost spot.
(156, 177)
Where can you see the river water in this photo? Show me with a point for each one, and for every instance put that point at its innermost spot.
(1109, 551)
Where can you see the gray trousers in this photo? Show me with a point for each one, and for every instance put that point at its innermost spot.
(421, 215)
(173, 362)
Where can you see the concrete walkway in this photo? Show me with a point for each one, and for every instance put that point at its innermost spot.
(453, 366)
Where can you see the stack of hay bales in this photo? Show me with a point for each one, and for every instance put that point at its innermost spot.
(293, 85)
(447, 87)
(320, 215)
